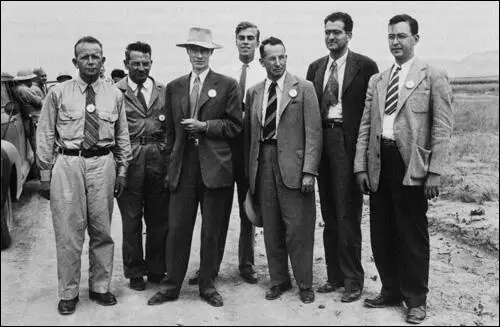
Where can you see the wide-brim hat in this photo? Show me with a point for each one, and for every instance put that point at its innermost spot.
(24, 75)
(63, 74)
(201, 37)
(252, 210)
(7, 77)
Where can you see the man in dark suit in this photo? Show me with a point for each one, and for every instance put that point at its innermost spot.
(341, 79)
(283, 133)
(203, 112)
(403, 143)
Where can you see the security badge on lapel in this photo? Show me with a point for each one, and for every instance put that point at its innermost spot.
(90, 108)
(410, 84)
(161, 118)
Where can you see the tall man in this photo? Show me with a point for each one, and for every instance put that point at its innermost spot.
(144, 195)
(402, 147)
(83, 145)
(341, 79)
(203, 114)
(283, 130)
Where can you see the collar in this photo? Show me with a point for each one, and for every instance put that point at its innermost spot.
(280, 82)
(146, 85)
(407, 64)
(341, 61)
(202, 76)
(83, 85)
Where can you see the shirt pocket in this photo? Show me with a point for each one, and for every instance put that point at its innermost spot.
(107, 121)
(69, 124)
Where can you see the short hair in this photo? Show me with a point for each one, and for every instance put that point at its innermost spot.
(269, 41)
(38, 71)
(343, 17)
(87, 39)
(244, 25)
(137, 46)
(117, 73)
(405, 18)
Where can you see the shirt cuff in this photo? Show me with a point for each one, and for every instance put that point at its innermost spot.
(206, 129)
(45, 175)
(122, 171)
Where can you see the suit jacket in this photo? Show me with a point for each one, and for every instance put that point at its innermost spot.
(357, 73)
(221, 109)
(299, 131)
(422, 127)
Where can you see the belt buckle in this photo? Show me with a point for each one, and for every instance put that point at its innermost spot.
(143, 140)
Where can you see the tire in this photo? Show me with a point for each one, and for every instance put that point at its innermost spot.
(7, 220)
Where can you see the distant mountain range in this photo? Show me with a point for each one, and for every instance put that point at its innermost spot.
(474, 65)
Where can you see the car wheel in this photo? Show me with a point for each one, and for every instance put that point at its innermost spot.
(7, 220)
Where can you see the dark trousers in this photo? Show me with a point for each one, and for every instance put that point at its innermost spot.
(247, 230)
(341, 204)
(399, 233)
(289, 218)
(215, 208)
(144, 196)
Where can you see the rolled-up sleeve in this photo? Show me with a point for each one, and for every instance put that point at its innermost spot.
(122, 150)
(45, 135)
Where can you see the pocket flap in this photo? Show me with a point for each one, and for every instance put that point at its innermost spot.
(69, 115)
(107, 116)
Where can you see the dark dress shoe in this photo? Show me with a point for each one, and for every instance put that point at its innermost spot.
(155, 278)
(329, 287)
(249, 277)
(67, 307)
(416, 315)
(276, 290)
(213, 298)
(382, 301)
(195, 280)
(307, 295)
(137, 283)
(351, 295)
(105, 299)
(162, 297)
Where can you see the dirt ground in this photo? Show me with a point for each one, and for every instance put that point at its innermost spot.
(463, 279)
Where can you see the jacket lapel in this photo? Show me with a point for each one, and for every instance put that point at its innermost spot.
(259, 99)
(208, 84)
(288, 85)
(382, 89)
(351, 69)
(184, 93)
(155, 93)
(129, 94)
(415, 76)
(320, 76)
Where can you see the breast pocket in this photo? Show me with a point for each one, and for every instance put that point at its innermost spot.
(419, 101)
(107, 122)
(69, 124)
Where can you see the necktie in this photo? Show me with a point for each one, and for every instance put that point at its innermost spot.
(391, 99)
(330, 94)
(193, 98)
(140, 96)
(243, 80)
(91, 129)
(270, 122)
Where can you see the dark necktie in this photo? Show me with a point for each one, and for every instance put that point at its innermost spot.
(193, 98)
(140, 96)
(330, 94)
(91, 129)
(243, 80)
(391, 99)
(270, 122)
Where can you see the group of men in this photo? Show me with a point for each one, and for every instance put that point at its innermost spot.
(162, 151)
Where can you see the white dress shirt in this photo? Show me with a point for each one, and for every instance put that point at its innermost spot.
(147, 88)
(279, 90)
(202, 76)
(255, 74)
(335, 112)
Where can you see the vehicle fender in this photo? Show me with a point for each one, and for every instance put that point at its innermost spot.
(15, 159)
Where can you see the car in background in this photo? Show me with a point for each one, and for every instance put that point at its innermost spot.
(17, 156)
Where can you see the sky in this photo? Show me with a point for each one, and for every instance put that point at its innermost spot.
(43, 33)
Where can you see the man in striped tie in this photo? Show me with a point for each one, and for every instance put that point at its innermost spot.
(402, 146)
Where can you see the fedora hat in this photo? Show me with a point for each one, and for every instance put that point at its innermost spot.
(24, 75)
(252, 210)
(201, 37)
(7, 77)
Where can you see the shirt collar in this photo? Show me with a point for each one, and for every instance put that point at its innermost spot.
(407, 64)
(83, 85)
(202, 76)
(280, 82)
(146, 85)
(341, 61)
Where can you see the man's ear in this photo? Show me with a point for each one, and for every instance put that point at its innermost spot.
(75, 63)
(417, 38)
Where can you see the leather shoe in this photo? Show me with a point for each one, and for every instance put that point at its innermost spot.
(105, 299)
(67, 307)
(329, 287)
(382, 301)
(137, 283)
(307, 295)
(155, 278)
(195, 280)
(249, 277)
(275, 291)
(162, 297)
(416, 315)
(351, 295)
(213, 298)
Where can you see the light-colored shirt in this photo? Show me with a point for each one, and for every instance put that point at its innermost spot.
(388, 120)
(202, 76)
(62, 123)
(255, 74)
(147, 88)
(279, 90)
(30, 101)
(335, 112)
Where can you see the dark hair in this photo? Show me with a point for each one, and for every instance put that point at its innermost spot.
(405, 18)
(117, 73)
(269, 41)
(244, 25)
(137, 46)
(87, 39)
(343, 17)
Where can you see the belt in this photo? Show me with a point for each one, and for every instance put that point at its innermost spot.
(389, 143)
(145, 139)
(84, 153)
(331, 123)
(269, 142)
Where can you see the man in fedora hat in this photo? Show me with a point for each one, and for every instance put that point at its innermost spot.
(203, 112)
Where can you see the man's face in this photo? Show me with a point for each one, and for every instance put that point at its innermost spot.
(138, 66)
(199, 57)
(402, 42)
(246, 42)
(275, 61)
(42, 77)
(336, 38)
(89, 60)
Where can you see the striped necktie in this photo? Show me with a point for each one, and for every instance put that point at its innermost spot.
(391, 99)
(91, 129)
(193, 97)
(331, 92)
(272, 104)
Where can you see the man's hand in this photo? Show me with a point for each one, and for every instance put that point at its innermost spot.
(363, 182)
(192, 125)
(45, 189)
(307, 183)
(431, 185)
(119, 185)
